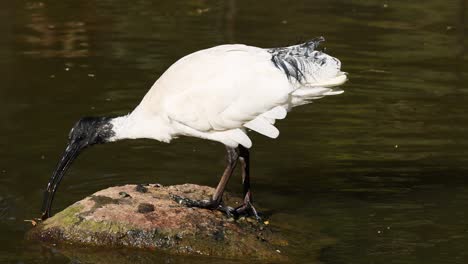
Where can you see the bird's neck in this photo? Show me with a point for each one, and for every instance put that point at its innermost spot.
(135, 125)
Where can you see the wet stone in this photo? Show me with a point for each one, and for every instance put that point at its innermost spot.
(124, 194)
(153, 220)
(145, 208)
(140, 188)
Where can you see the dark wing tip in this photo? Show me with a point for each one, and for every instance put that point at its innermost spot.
(314, 43)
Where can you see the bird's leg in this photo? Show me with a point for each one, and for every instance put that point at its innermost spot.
(232, 157)
(247, 206)
(216, 199)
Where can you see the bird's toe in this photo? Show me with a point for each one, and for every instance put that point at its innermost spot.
(207, 204)
(247, 209)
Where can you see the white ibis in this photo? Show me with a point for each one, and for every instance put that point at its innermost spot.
(217, 94)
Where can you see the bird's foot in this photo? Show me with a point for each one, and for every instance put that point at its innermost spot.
(205, 204)
(246, 209)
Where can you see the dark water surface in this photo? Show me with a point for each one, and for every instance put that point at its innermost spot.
(376, 175)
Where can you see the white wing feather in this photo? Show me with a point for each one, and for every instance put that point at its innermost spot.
(240, 137)
(231, 91)
(214, 93)
(276, 113)
(262, 126)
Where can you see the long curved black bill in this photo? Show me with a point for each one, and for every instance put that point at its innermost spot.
(71, 152)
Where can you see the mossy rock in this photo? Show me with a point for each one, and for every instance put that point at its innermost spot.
(146, 217)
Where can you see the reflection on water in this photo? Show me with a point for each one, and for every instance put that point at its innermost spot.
(375, 175)
(66, 39)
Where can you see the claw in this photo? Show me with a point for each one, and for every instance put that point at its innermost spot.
(247, 209)
(229, 211)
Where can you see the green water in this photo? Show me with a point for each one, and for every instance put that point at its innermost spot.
(375, 175)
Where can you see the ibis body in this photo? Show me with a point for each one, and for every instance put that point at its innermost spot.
(217, 94)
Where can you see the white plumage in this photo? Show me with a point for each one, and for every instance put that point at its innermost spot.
(220, 92)
(216, 94)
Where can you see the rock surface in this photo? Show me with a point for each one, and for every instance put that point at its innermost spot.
(137, 216)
